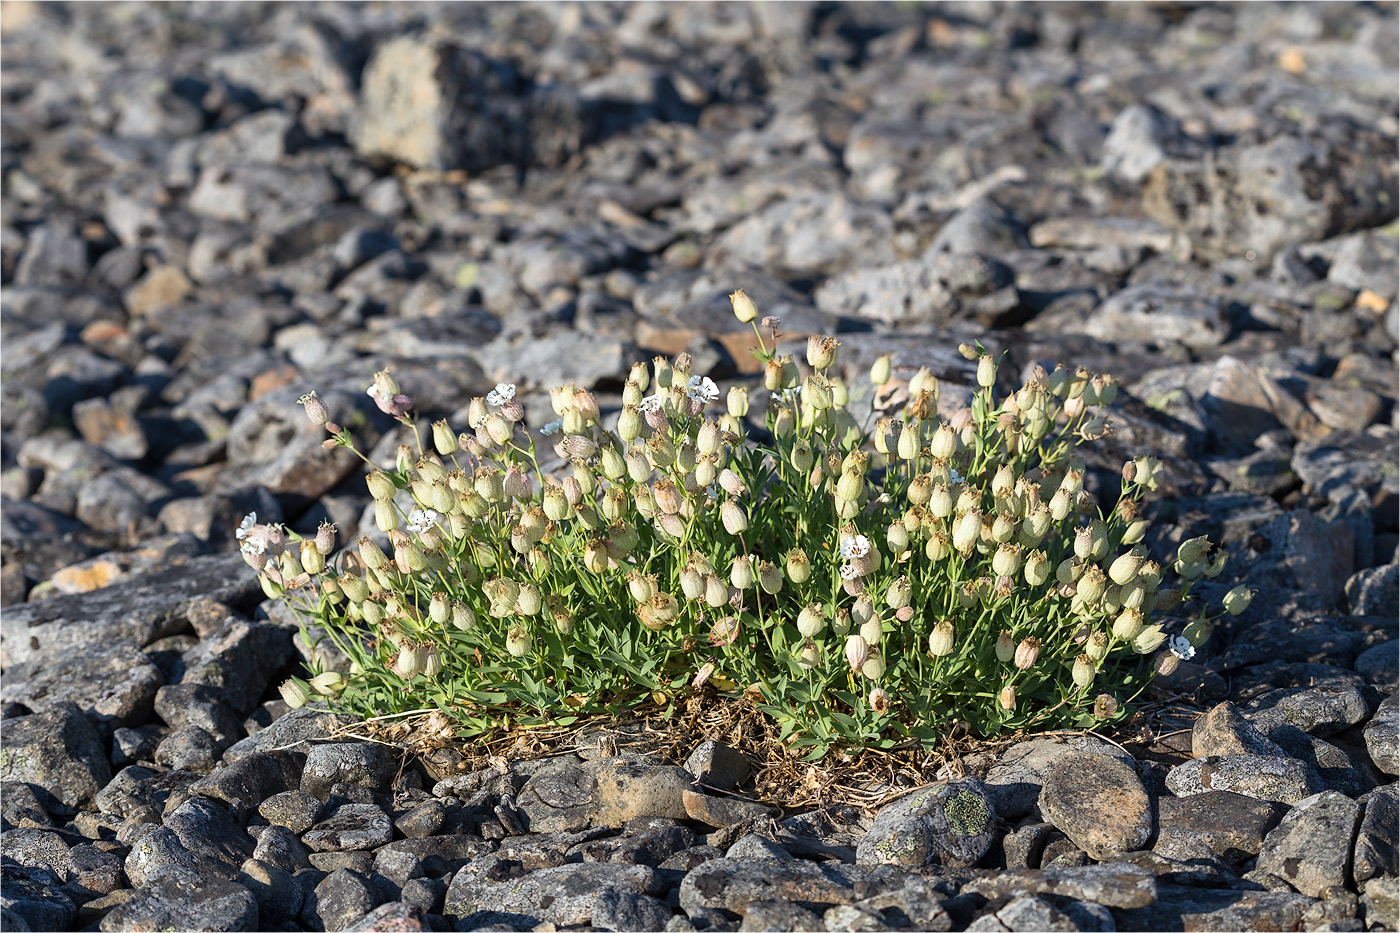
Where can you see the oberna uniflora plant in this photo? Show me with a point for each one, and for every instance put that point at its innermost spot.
(866, 583)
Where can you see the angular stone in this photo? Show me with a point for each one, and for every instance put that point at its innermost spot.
(917, 903)
(33, 897)
(1260, 776)
(1230, 825)
(1382, 741)
(626, 792)
(625, 912)
(718, 765)
(439, 855)
(250, 781)
(291, 732)
(398, 916)
(279, 846)
(563, 895)
(733, 884)
(1332, 768)
(352, 827)
(1033, 912)
(279, 897)
(423, 820)
(1223, 730)
(59, 752)
(113, 684)
(1312, 845)
(340, 899)
(208, 904)
(1157, 312)
(37, 848)
(1197, 908)
(722, 811)
(1099, 803)
(753, 847)
(188, 748)
(1113, 884)
(1319, 711)
(779, 916)
(361, 764)
(1015, 781)
(1378, 837)
(238, 658)
(1379, 901)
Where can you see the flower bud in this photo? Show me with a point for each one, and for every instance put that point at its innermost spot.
(945, 442)
(811, 620)
(312, 560)
(1007, 697)
(1128, 625)
(1124, 568)
(381, 487)
(1097, 645)
(716, 593)
(328, 683)
(1037, 568)
(517, 641)
(879, 700)
(295, 692)
(316, 411)
(908, 445)
(735, 519)
(986, 371)
(940, 640)
(770, 578)
(1083, 672)
(1197, 632)
(408, 663)
(1007, 560)
(821, 352)
(443, 438)
(1149, 639)
(874, 666)
(817, 393)
(1238, 599)
(898, 593)
(1027, 652)
(897, 538)
(857, 652)
(880, 370)
(1216, 564)
(1061, 504)
(967, 530)
(1193, 550)
(373, 555)
(744, 308)
(798, 567)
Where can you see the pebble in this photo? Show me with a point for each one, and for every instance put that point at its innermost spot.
(353, 826)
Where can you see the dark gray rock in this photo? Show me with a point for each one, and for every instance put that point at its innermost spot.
(1374, 590)
(1260, 776)
(566, 894)
(423, 820)
(625, 911)
(752, 846)
(37, 848)
(1311, 847)
(732, 884)
(21, 806)
(188, 748)
(342, 898)
(558, 799)
(1113, 884)
(190, 704)
(1319, 711)
(1223, 730)
(1227, 824)
(113, 684)
(1033, 912)
(33, 897)
(279, 847)
(438, 856)
(93, 873)
(137, 790)
(1099, 803)
(58, 752)
(779, 915)
(354, 826)
(291, 732)
(1332, 767)
(362, 764)
(1382, 740)
(933, 289)
(186, 904)
(295, 809)
(718, 765)
(249, 782)
(1378, 837)
(1196, 908)
(279, 897)
(239, 659)
(944, 824)
(139, 744)
(199, 840)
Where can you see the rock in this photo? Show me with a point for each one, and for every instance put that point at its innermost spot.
(1015, 781)
(808, 234)
(1140, 139)
(1230, 825)
(944, 824)
(291, 732)
(1377, 837)
(21, 806)
(1311, 847)
(252, 781)
(722, 811)
(934, 289)
(1378, 664)
(1262, 777)
(32, 896)
(1199, 908)
(352, 827)
(1332, 767)
(1374, 589)
(340, 899)
(362, 764)
(94, 873)
(137, 790)
(279, 897)
(59, 752)
(423, 820)
(718, 765)
(1032, 912)
(114, 685)
(625, 911)
(188, 748)
(1381, 736)
(567, 894)
(626, 792)
(1099, 803)
(1113, 884)
(1319, 711)
(1378, 900)
(752, 846)
(399, 915)
(733, 884)
(280, 848)
(779, 915)
(208, 904)
(239, 659)
(37, 848)
(1223, 730)
(1158, 313)
(188, 704)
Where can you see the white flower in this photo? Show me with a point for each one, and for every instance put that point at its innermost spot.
(859, 546)
(1181, 648)
(702, 388)
(503, 393)
(651, 403)
(371, 392)
(252, 544)
(245, 528)
(711, 492)
(419, 520)
(955, 476)
(849, 572)
(553, 428)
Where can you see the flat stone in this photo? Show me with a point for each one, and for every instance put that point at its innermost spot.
(136, 789)
(753, 847)
(1230, 825)
(1033, 912)
(249, 782)
(722, 811)
(394, 917)
(1015, 781)
(59, 752)
(944, 824)
(1259, 776)
(113, 684)
(208, 904)
(916, 903)
(563, 895)
(558, 799)
(627, 912)
(1332, 768)
(1196, 908)
(352, 827)
(779, 916)
(1223, 730)
(291, 732)
(1099, 803)
(1157, 313)
(1319, 711)
(1113, 884)
(733, 884)
(340, 899)
(362, 764)
(626, 792)
(718, 765)
(1311, 847)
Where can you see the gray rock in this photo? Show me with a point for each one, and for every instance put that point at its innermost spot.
(1378, 901)
(188, 748)
(687, 859)
(93, 873)
(132, 745)
(1319, 711)
(208, 904)
(944, 824)
(1263, 777)
(33, 897)
(271, 444)
(339, 900)
(353, 826)
(1138, 141)
(1099, 803)
(718, 765)
(753, 846)
(1227, 824)
(626, 792)
(796, 236)
(1196, 908)
(423, 820)
(140, 609)
(733, 884)
(440, 855)
(251, 781)
(279, 897)
(199, 839)
(1015, 781)
(779, 915)
(137, 790)
(399, 915)
(1332, 767)
(1381, 735)
(191, 704)
(239, 659)
(1379, 664)
(114, 685)
(647, 841)
(1033, 912)
(1114, 884)
(1223, 730)
(21, 806)
(933, 289)
(58, 752)
(1378, 837)
(1311, 847)
(625, 911)
(279, 847)
(37, 848)
(362, 764)
(1157, 314)
(566, 894)
(722, 811)
(291, 732)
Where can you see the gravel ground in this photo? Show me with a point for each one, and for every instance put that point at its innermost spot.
(209, 209)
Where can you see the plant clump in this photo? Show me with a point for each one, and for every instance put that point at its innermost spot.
(864, 582)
